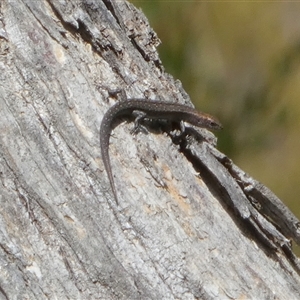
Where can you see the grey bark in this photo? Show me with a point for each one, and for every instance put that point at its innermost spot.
(190, 224)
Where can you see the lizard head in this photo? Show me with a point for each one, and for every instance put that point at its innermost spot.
(209, 122)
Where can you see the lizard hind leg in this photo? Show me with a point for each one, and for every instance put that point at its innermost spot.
(139, 117)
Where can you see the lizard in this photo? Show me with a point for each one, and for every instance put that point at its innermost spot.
(149, 109)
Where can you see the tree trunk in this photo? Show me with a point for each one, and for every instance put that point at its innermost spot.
(189, 224)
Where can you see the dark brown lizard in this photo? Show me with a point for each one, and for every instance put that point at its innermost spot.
(151, 110)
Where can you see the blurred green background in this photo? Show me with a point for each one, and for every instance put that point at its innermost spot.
(240, 61)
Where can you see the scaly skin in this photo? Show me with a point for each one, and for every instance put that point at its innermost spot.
(151, 110)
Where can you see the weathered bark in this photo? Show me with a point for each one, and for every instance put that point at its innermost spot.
(174, 235)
